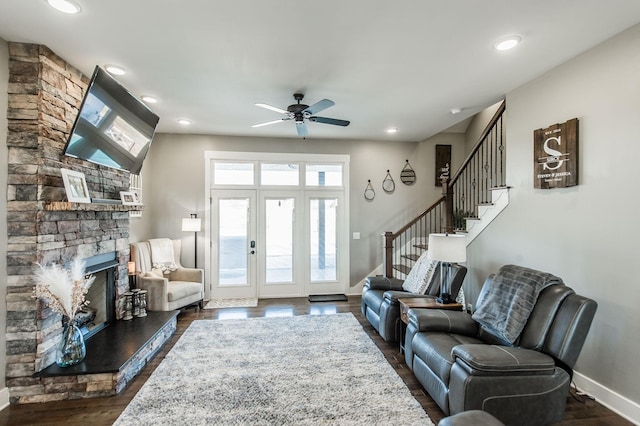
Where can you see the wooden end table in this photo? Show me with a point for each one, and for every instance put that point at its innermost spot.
(422, 303)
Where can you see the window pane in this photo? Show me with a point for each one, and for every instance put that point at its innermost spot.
(233, 236)
(279, 174)
(322, 238)
(233, 174)
(324, 175)
(279, 240)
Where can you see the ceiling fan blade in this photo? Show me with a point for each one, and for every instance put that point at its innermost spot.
(333, 121)
(272, 108)
(319, 106)
(301, 128)
(270, 122)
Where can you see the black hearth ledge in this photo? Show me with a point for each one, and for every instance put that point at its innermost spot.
(109, 350)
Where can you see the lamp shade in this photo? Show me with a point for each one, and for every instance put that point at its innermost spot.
(448, 247)
(191, 224)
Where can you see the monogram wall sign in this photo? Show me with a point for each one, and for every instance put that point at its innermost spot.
(555, 155)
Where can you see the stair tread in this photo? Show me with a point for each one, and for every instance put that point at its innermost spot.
(402, 268)
(411, 256)
(497, 188)
(421, 246)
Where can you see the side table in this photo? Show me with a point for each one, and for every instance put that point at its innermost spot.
(419, 303)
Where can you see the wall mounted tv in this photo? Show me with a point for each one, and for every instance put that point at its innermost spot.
(113, 128)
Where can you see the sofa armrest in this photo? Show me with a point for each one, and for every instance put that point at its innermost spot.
(492, 360)
(393, 295)
(383, 283)
(441, 320)
(188, 274)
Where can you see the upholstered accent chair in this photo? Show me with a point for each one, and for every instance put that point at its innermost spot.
(379, 304)
(173, 288)
(465, 365)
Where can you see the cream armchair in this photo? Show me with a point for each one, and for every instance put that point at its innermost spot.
(167, 292)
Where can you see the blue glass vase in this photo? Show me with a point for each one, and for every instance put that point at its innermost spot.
(72, 349)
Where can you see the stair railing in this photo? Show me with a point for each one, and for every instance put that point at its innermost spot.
(482, 171)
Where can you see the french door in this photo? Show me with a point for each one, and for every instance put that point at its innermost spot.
(277, 224)
(276, 243)
(234, 247)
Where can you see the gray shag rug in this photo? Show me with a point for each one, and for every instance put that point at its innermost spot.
(301, 370)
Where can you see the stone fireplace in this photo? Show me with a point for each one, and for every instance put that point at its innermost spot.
(44, 95)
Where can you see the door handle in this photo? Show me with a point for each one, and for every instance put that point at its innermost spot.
(253, 245)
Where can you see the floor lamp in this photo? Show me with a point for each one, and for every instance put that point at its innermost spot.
(192, 224)
(448, 249)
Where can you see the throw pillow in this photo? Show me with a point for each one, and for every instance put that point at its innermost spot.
(421, 275)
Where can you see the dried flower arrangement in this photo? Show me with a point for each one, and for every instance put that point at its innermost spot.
(63, 289)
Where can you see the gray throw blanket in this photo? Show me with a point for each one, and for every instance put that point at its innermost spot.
(504, 305)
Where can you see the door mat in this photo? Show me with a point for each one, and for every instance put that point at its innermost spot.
(327, 298)
(232, 303)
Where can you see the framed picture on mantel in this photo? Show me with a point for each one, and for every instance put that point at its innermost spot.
(75, 186)
(555, 155)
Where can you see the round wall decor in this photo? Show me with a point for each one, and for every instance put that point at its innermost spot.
(408, 175)
(369, 193)
(388, 185)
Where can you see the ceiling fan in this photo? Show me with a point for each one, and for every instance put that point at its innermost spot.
(301, 112)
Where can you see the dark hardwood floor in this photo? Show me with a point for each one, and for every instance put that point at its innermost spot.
(104, 411)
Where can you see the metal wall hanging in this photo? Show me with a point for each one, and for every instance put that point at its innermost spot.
(443, 159)
(388, 185)
(369, 193)
(408, 175)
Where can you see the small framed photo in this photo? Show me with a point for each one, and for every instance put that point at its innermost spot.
(129, 198)
(75, 186)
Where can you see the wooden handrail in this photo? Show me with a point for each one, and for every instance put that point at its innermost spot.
(478, 143)
(417, 218)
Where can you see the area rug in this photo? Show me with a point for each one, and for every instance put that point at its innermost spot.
(301, 370)
(232, 303)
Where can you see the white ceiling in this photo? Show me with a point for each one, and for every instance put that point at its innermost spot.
(385, 63)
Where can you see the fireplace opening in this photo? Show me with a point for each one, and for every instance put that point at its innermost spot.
(100, 312)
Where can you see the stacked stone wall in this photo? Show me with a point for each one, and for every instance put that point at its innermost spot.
(44, 96)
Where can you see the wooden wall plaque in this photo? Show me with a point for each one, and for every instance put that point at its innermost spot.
(555, 156)
(443, 161)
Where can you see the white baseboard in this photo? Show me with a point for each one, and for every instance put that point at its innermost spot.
(617, 403)
(4, 398)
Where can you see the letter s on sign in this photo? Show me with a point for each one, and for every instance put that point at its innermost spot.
(552, 152)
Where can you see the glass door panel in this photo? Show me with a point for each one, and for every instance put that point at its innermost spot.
(323, 239)
(279, 240)
(233, 239)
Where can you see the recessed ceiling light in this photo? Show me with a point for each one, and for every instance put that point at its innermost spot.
(392, 130)
(115, 70)
(455, 111)
(64, 6)
(507, 43)
(149, 99)
(184, 121)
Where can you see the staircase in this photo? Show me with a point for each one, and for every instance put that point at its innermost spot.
(470, 201)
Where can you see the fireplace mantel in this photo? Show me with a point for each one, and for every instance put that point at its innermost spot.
(94, 207)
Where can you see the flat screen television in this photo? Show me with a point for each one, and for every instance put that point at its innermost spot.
(113, 128)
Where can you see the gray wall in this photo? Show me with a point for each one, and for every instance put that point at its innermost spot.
(4, 86)
(173, 186)
(585, 234)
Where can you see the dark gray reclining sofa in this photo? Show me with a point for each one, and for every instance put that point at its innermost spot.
(465, 367)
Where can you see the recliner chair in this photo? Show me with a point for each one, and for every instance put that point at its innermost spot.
(465, 367)
(379, 304)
